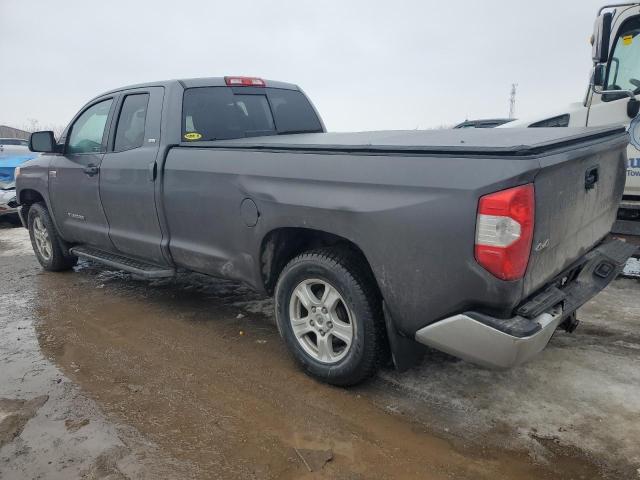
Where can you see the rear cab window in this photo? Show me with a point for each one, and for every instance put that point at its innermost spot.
(223, 113)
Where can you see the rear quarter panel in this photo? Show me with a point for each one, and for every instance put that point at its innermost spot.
(412, 216)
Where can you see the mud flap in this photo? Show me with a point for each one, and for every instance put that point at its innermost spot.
(405, 352)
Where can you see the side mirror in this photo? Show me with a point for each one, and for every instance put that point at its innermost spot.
(601, 37)
(599, 74)
(42, 142)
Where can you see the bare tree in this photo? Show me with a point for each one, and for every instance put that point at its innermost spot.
(33, 125)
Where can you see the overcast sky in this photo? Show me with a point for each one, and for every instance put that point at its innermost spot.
(367, 65)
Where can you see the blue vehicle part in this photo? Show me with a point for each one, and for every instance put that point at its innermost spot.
(9, 163)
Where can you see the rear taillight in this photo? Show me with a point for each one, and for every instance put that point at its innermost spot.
(244, 82)
(504, 230)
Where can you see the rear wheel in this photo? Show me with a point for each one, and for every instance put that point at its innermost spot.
(45, 241)
(329, 314)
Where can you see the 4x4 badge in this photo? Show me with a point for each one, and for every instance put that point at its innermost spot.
(541, 245)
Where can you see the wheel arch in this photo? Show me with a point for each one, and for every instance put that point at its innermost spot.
(281, 245)
(26, 198)
(29, 196)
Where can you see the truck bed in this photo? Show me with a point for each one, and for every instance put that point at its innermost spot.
(408, 199)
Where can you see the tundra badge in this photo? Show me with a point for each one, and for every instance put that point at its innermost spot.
(76, 216)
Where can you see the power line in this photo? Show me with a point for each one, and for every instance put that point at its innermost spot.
(512, 101)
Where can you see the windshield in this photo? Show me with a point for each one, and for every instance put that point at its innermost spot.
(624, 66)
(222, 113)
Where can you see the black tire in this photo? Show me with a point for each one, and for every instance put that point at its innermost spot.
(343, 269)
(58, 259)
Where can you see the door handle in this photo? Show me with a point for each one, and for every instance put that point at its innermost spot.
(91, 170)
(591, 178)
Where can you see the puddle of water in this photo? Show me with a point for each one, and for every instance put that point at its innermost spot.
(45, 446)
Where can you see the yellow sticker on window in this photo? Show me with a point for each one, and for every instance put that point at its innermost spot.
(192, 136)
(627, 39)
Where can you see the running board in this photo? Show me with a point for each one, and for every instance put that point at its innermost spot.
(147, 270)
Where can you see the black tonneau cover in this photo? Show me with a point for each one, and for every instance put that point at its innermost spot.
(494, 142)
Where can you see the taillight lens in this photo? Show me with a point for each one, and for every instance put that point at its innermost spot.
(244, 82)
(504, 231)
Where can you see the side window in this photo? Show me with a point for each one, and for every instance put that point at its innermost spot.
(88, 130)
(131, 122)
(624, 66)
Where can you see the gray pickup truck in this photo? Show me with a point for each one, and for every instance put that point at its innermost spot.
(479, 243)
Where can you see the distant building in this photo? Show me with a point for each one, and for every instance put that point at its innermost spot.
(10, 132)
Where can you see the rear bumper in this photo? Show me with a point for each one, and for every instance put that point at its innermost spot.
(504, 343)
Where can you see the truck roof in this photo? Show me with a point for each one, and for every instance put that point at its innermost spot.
(198, 82)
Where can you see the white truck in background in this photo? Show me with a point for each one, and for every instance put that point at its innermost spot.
(612, 98)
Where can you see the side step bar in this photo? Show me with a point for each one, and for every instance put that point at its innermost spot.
(120, 262)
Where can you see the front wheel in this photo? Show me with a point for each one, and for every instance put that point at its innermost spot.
(329, 314)
(45, 241)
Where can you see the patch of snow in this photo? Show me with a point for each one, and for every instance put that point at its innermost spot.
(632, 268)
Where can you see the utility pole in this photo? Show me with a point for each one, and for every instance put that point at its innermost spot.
(512, 101)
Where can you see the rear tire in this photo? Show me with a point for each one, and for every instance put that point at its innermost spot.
(46, 242)
(329, 313)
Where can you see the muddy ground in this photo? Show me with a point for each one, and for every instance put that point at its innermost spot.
(104, 376)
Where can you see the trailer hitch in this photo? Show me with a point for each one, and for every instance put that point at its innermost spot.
(571, 323)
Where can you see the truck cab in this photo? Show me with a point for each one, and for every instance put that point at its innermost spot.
(611, 98)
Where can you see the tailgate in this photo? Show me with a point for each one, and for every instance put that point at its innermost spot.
(577, 193)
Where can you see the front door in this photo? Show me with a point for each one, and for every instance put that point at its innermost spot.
(74, 178)
(623, 73)
(128, 175)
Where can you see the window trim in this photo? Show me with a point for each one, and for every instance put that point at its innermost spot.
(116, 119)
(107, 126)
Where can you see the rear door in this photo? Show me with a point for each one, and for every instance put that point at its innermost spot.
(128, 175)
(74, 177)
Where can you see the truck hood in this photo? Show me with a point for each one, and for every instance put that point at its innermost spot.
(573, 109)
